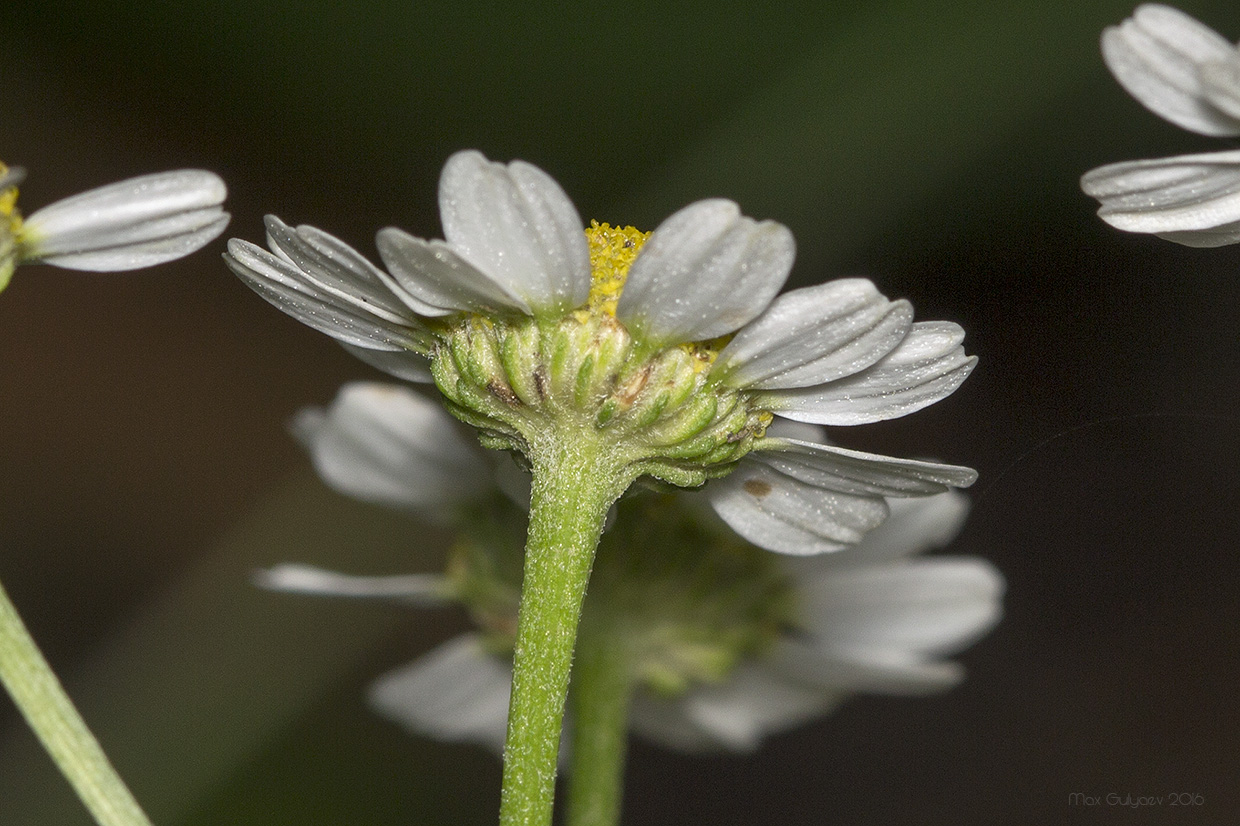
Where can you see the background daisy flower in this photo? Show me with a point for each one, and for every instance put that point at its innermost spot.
(139, 222)
(872, 618)
(869, 619)
(1188, 74)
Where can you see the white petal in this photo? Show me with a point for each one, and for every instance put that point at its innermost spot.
(662, 720)
(387, 444)
(439, 277)
(423, 590)
(928, 365)
(341, 314)
(925, 606)
(403, 364)
(852, 471)
(1184, 196)
(782, 428)
(915, 526)
(135, 223)
(1220, 80)
(1219, 236)
(873, 671)
(515, 224)
(1156, 55)
(343, 271)
(705, 271)
(815, 335)
(735, 715)
(458, 692)
(780, 513)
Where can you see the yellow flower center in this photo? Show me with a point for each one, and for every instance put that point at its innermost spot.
(10, 228)
(612, 252)
(9, 215)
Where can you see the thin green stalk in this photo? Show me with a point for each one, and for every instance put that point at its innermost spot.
(574, 484)
(602, 692)
(50, 712)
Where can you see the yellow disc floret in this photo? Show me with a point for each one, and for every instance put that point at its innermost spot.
(10, 225)
(612, 251)
(11, 218)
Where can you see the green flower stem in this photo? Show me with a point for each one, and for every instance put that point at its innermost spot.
(48, 710)
(602, 692)
(575, 481)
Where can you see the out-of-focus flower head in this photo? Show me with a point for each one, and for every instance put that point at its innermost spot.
(127, 225)
(727, 643)
(1188, 74)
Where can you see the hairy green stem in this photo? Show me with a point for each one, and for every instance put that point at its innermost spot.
(602, 692)
(574, 484)
(50, 712)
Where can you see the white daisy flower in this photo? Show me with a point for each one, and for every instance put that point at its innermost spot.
(135, 223)
(875, 620)
(1190, 75)
(673, 346)
(730, 662)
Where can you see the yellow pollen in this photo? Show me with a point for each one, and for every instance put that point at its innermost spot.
(704, 353)
(612, 251)
(8, 206)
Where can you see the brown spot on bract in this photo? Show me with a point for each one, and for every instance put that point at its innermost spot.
(628, 393)
(757, 487)
(503, 392)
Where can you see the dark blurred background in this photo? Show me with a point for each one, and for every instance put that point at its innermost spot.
(933, 146)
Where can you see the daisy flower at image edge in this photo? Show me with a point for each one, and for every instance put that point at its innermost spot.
(1188, 74)
(136, 223)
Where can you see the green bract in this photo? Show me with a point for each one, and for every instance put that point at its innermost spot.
(528, 383)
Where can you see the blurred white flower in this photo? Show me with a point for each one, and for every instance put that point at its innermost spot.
(1187, 73)
(871, 618)
(677, 345)
(135, 223)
